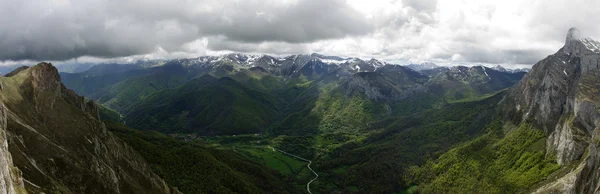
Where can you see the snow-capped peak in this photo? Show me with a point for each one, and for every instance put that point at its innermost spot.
(423, 66)
(499, 68)
(509, 70)
(377, 63)
(332, 60)
(486, 74)
(240, 58)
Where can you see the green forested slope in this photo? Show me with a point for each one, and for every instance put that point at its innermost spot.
(194, 168)
(205, 105)
(371, 132)
(498, 162)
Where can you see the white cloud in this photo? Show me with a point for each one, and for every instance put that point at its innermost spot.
(511, 32)
(444, 31)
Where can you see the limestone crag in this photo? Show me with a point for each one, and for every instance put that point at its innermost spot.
(56, 139)
(10, 177)
(561, 96)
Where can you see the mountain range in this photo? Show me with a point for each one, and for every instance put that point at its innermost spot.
(241, 123)
(423, 66)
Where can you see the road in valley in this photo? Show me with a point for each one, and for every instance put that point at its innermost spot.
(303, 159)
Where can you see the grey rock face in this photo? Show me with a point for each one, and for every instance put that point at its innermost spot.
(10, 177)
(588, 180)
(389, 83)
(376, 87)
(561, 96)
(569, 142)
(395, 82)
(543, 93)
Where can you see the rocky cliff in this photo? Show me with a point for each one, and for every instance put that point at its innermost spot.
(57, 141)
(561, 95)
(378, 87)
(10, 176)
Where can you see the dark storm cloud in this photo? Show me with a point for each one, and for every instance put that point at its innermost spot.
(305, 21)
(63, 29)
(454, 31)
(58, 30)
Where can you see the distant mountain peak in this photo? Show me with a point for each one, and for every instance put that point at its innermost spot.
(328, 59)
(423, 66)
(377, 63)
(428, 64)
(499, 68)
(510, 70)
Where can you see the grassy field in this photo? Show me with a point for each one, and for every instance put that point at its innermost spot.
(256, 146)
(277, 160)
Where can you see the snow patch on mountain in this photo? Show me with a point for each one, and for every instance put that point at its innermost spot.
(423, 66)
(483, 68)
(591, 45)
(503, 69)
(377, 63)
(333, 61)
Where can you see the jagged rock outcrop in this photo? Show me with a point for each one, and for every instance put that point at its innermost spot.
(561, 96)
(377, 87)
(10, 176)
(395, 82)
(58, 142)
(423, 66)
(457, 81)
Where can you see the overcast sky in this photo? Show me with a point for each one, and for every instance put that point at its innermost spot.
(505, 32)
